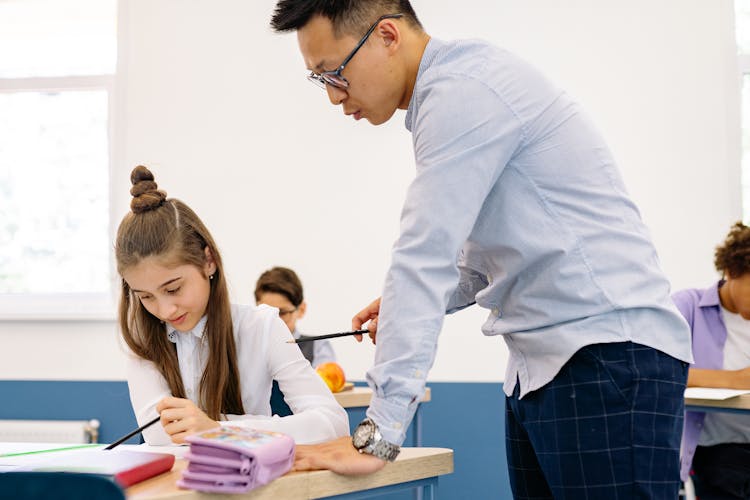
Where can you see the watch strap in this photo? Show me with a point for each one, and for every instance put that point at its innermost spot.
(384, 450)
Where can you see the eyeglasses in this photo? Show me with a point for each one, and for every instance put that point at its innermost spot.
(285, 312)
(335, 78)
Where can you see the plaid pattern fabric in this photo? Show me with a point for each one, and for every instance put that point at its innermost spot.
(608, 426)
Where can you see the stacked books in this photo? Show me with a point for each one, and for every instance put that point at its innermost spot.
(233, 459)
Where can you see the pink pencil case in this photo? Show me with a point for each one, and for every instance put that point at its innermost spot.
(235, 459)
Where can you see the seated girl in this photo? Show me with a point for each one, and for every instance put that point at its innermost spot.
(197, 360)
(716, 446)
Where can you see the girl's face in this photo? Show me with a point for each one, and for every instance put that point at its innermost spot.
(175, 295)
(735, 295)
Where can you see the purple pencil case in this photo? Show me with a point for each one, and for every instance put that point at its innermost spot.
(234, 459)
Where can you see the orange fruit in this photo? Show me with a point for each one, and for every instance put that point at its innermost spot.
(333, 375)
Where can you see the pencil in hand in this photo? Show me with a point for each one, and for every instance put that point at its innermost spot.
(327, 336)
(133, 433)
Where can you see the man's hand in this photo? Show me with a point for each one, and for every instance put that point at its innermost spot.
(338, 455)
(369, 313)
(181, 417)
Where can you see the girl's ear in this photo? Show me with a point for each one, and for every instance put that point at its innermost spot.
(210, 266)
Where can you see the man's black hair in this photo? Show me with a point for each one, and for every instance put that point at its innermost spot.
(347, 16)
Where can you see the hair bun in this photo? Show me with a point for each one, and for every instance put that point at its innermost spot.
(146, 195)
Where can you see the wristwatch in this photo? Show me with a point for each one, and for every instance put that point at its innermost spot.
(367, 439)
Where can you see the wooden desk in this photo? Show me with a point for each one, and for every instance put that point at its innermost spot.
(359, 397)
(413, 467)
(737, 404)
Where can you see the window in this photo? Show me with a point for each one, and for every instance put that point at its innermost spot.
(742, 19)
(57, 65)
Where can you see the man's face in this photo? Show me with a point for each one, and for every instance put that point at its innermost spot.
(376, 86)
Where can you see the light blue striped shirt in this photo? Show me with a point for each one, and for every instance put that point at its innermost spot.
(517, 206)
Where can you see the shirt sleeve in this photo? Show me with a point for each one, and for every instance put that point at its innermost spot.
(317, 416)
(147, 387)
(470, 283)
(464, 135)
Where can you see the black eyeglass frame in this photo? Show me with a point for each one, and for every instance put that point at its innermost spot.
(334, 78)
(286, 312)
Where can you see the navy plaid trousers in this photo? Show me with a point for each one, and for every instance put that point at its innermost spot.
(608, 426)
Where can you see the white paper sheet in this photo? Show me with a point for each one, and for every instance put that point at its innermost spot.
(713, 393)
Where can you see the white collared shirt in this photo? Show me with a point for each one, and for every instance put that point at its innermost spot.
(263, 355)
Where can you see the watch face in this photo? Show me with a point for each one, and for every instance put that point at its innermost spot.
(362, 434)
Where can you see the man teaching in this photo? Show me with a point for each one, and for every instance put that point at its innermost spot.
(518, 206)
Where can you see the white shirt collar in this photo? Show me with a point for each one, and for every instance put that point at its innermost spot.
(197, 331)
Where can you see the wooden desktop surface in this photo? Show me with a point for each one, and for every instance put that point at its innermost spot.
(360, 396)
(741, 402)
(412, 464)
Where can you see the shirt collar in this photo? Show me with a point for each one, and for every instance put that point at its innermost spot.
(428, 56)
(197, 331)
(710, 296)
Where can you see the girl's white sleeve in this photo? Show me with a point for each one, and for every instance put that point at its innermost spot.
(317, 415)
(147, 387)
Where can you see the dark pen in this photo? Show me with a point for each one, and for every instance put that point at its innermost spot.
(131, 434)
(328, 336)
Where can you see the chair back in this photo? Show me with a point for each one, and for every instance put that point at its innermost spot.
(58, 486)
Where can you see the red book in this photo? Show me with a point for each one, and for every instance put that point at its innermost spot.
(124, 466)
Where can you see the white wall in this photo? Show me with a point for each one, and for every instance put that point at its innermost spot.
(219, 108)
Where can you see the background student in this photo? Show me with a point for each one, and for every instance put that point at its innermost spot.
(717, 445)
(518, 206)
(280, 287)
(197, 360)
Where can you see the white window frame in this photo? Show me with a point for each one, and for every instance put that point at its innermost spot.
(66, 306)
(744, 64)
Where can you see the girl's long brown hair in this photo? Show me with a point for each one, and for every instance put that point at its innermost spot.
(167, 229)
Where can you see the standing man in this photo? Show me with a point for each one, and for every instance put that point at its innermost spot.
(517, 206)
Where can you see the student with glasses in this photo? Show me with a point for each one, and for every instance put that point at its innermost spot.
(518, 206)
(280, 287)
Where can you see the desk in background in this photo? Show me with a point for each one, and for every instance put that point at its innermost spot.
(737, 404)
(359, 397)
(414, 467)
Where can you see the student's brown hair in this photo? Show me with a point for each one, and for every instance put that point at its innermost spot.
(281, 280)
(733, 256)
(168, 230)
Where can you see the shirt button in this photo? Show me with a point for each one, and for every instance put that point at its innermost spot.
(397, 425)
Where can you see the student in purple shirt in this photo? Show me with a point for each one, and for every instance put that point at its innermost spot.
(717, 445)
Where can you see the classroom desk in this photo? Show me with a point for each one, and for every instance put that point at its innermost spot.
(414, 467)
(359, 397)
(737, 404)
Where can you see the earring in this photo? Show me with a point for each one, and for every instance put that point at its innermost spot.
(211, 277)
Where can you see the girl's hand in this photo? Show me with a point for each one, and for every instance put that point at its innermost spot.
(181, 417)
